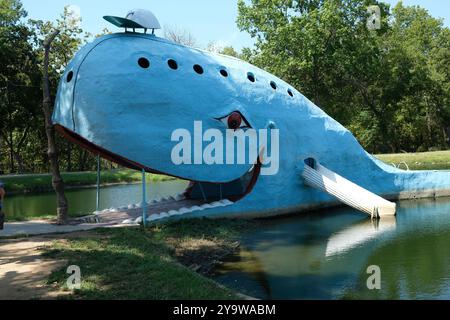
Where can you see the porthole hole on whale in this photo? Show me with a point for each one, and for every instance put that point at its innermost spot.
(144, 63)
(69, 76)
(251, 77)
(273, 85)
(172, 64)
(289, 91)
(198, 69)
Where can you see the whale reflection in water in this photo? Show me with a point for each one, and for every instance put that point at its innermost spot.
(357, 235)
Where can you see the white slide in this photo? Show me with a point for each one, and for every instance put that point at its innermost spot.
(347, 192)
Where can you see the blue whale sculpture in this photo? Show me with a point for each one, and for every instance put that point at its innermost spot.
(123, 95)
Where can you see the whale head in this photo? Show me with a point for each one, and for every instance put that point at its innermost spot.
(150, 104)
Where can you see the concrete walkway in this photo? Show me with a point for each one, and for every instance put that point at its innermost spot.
(35, 228)
(43, 227)
(24, 270)
(106, 219)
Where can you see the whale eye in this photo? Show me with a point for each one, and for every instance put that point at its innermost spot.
(235, 121)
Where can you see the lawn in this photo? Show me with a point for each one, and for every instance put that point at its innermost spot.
(160, 263)
(439, 160)
(43, 182)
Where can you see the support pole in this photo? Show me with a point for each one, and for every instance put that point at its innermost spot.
(144, 200)
(203, 191)
(97, 206)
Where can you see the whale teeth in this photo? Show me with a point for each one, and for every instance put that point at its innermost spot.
(184, 210)
(138, 220)
(130, 221)
(226, 202)
(153, 217)
(179, 197)
(216, 204)
(174, 213)
(163, 215)
(207, 206)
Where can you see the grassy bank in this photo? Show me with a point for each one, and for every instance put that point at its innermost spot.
(160, 263)
(43, 182)
(439, 160)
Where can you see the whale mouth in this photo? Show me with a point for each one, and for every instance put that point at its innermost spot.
(199, 195)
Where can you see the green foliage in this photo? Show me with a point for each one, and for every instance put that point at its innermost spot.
(389, 86)
(23, 142)
(230, 51)
(438, 160)
(26, 183)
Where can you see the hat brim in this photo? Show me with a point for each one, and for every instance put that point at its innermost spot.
(122, 22)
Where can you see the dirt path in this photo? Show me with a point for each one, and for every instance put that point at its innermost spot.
(24, 270)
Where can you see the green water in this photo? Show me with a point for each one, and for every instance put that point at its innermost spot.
(83, 201)
(325, 255)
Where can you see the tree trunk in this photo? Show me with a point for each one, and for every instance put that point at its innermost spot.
(57, 181)
(11, 150)
(69, 157)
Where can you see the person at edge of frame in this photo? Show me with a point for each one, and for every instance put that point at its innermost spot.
(2, 197)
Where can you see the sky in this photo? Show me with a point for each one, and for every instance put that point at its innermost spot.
(206, 20)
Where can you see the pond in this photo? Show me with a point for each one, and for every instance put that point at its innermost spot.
(326, 255)
(83, 201)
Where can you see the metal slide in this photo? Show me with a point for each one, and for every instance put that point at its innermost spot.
(319, 177)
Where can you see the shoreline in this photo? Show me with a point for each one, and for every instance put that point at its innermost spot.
(80, 187)
(42, 183)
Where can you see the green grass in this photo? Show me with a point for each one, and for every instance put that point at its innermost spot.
(43, 182)
(439, 160)
(133, 263)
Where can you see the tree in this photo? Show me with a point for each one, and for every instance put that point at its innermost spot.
(64, 47)
(19, 85)
(179, 35)
(230, 51)
(57, 181)
(386, 85)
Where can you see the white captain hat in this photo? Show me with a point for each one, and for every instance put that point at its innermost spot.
(135, 19)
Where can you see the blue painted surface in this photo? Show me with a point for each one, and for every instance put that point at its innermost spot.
(132, 111)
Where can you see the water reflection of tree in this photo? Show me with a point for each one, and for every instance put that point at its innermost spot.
(246, 262)
(412, 267)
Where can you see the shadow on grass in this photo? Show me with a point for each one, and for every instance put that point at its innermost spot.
(140, 264)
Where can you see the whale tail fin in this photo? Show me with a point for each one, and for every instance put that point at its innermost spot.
(319, 177)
